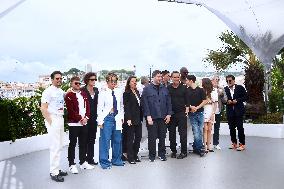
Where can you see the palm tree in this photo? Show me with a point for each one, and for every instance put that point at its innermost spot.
(235, 51)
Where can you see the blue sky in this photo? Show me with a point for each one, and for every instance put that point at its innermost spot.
(40, 36)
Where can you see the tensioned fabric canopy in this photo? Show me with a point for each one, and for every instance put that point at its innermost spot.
(8, 5)
(257, 22)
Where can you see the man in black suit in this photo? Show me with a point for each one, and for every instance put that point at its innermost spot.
(235, 108)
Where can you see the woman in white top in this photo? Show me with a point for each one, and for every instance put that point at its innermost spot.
(209, 112)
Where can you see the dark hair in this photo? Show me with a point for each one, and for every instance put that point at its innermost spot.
(165, 72)
(127, 86)
(175, 72)
(207, 86)
(88, 76)
(191, 77)
(75, 78)
(110, 75)
(156, 72)
(54, 73)
(183, 70)
(230, 76)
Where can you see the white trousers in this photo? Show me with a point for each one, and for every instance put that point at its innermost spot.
(55, 134)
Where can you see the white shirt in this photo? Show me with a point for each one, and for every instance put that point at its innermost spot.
(105, 104)
(214, 97)
(82, 108)
(54, 97)
(140, 89)
(232, 90)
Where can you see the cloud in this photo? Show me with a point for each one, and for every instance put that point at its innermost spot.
(52, 34)
(22, 71)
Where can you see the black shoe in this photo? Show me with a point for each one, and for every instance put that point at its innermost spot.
(181, 156)
(131, 162)
(57, 178)
(201, 153)
(163, 158)
(137, 159)
(62, 173)
(195, 151)
(93, 163)
(173, 155)
(152, 160)
(123, 158)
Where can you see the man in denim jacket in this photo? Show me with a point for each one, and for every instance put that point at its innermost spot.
(157, 108)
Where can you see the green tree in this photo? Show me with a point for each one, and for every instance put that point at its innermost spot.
(73, 71)
(276, 95)
(234, 51)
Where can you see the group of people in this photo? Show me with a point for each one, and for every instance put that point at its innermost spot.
(166, 103)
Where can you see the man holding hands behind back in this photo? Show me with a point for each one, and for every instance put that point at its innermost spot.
(157, 107)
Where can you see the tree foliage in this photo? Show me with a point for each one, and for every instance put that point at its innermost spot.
(276, 95)
(234, 51)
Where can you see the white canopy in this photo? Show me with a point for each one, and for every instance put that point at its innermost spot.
(256, 22)
(8, 5)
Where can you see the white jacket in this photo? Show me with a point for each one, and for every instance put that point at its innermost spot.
(105, 104)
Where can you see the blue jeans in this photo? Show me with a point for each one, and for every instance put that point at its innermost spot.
(197, 122)
(107, 133)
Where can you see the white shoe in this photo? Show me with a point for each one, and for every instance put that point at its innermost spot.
(85, 165)
(217, 147)
(73, 169)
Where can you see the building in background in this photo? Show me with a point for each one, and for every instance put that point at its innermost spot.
(88, 68)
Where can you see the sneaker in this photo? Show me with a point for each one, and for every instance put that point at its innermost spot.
(93, 163)
(152, 160)
(163, 158)
(57, 178)
(63, 173)
(136, 159)
(241, 147)
(201, 153)
(85, 165)
(233, 146)
(181, 156)
(73, 169)
(217, 147)
(131, 161)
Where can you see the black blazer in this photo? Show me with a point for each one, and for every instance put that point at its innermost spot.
(132, 109)
(240, 95)
(93, 104)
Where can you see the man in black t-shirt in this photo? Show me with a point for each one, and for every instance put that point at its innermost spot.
(196, 99)
(178, 93)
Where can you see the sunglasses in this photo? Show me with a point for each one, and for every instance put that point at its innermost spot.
(77, 83)
(113, 81)
(58, 78)
(92, 79)
(229, 81)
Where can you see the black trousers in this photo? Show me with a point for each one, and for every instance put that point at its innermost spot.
(157, 130)
(236, 122)
(80, 132)
(134, 135)
(124, 138)
(216, 129)
(178, 120)
(91, 139)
